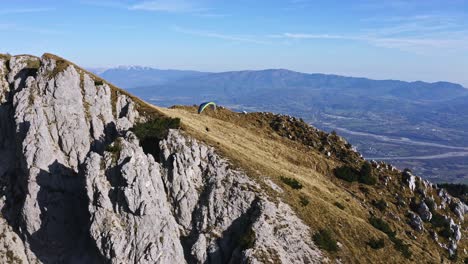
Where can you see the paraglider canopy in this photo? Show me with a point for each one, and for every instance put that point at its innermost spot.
(205, 105)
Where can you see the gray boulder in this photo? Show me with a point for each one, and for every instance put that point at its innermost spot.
(415, 221)
(424, 212)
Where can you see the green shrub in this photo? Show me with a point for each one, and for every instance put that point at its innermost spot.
(151, 132)
(157, 128)
(346, 173)
(337, 204)
(116, 147)
(380, 204)
(414, 204)
(304, 200)
(440, 222)
(431, 204)
(98, 82)
(397, 243)
(402, 247)
(295, 184)
(350, 174)
(366, 175)
(324, 240)
(381, 225)
(376, 243)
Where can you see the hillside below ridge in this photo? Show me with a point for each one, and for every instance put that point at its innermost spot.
(385, 119)
(226, 187)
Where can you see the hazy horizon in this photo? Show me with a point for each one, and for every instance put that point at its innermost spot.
(102, 69)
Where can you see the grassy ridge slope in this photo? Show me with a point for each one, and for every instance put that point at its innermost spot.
(250, 143)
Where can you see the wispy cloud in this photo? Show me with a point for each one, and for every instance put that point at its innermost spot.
(162, 6)
(209, 34)
(25, 10)
(404, 43)
(173, 6)
(417, 33)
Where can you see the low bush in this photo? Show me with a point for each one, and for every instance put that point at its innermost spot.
(380, 204)
(376, 243)
(304, 200)
(366, 174)
(402, 247)
(339, 205)
(431, 204)
(346, 173)
(293, 183)
(350, 174)
(153, 131)
(324, 240)
(439, 220)
(157, 128)
(399, 245)
(116, 147)
(381, 225)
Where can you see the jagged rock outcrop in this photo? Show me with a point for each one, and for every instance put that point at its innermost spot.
(69, 198)
(415, 221)
(424, 212)
(11, 245)
(459, 208)
(410, 179)
(190, 207)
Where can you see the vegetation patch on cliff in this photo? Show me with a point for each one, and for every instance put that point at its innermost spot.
(324, 240)
(151, 132)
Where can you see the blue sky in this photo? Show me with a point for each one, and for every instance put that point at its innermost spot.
(408, 40)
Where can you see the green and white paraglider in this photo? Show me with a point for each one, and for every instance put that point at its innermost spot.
(205, 105)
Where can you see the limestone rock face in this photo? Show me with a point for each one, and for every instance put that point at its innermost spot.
(131, 218)
(12, 249)
(410, 180)
(460, 209)
(415, 221)
(424, 212)
(77, 187)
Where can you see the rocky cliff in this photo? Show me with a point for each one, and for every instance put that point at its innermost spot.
(69, 197)
(77, 186)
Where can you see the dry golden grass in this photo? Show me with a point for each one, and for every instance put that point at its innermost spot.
(263, 154)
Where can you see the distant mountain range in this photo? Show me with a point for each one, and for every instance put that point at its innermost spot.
(135, 76)
(410, 122)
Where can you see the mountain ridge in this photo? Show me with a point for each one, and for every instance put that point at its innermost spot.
(141, 67)
(430, 112)
(223, 187)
